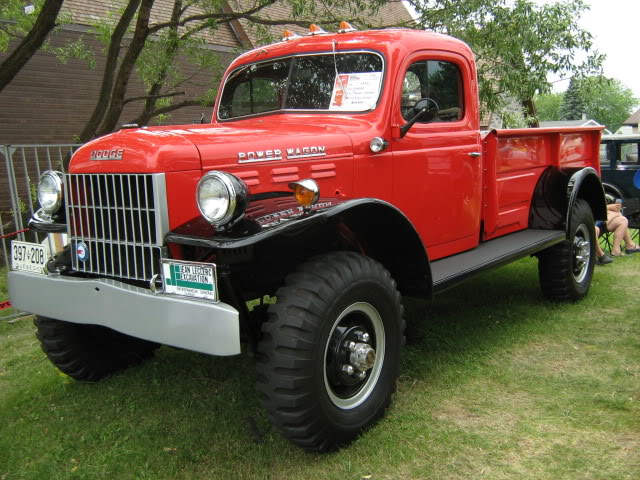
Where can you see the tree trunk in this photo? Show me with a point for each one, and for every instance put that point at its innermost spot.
(89, 130)
(169, 55)
(531, 113)
(116, 103)
(45, 22)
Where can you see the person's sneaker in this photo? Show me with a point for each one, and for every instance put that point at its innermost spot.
(604, 260)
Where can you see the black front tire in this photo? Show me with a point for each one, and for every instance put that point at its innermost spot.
(89, 352)
(328, 303)
(566, 269)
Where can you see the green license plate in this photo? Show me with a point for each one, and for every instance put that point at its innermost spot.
(190, 279)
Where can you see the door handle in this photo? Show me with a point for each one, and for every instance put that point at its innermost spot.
(474, 154)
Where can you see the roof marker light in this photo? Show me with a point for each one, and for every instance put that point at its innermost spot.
(346, 27)
(315, 30)
(289, 35)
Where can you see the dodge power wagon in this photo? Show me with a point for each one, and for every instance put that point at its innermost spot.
(340, 172)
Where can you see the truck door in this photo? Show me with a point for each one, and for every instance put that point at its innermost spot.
(437, 177)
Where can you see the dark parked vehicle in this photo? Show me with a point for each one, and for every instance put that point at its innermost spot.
(619, 165)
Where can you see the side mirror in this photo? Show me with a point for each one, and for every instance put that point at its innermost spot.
(425, 110)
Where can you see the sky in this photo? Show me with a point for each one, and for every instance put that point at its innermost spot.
(615, 24)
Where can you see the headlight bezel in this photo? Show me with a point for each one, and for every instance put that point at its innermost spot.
(237, 194)
(58, 181)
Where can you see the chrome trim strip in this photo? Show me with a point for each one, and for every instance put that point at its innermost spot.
(160, 206)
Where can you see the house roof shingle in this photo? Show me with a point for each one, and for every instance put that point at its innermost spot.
(634, 119)
(88, 12)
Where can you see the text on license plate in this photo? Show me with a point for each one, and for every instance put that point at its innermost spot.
(190, 279)
(29, 257)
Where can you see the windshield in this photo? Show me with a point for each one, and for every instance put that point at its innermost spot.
(346, 82)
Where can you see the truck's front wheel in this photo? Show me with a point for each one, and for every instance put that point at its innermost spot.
(89, 352)
(330, 354)
(566, 269)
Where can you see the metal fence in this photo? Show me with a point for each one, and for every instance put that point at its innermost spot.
(23, 165)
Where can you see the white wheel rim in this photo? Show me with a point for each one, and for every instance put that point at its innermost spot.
(374, 373)
(581, 253)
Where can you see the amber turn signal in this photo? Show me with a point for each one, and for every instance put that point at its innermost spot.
(307, 192)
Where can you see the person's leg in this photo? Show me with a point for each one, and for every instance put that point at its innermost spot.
(601, 257)
(599, 251)
(618, 226)
(628, 243)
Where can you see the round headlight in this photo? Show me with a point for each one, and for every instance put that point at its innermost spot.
(221, 197)
(50, 191)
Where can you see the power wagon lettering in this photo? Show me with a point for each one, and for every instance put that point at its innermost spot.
(291, 153)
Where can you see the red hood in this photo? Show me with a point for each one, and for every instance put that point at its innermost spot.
(258, 141)
(209, 146)
(139, 150)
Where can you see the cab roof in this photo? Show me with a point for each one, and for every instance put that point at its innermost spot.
(379, 40)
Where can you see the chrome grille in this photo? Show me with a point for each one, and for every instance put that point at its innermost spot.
(121, 219)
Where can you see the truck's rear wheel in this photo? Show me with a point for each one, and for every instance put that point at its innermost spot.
(89, 352)
(566, 269)
(330, 354)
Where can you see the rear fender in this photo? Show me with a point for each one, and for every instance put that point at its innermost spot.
(556, 193)
(275, 231)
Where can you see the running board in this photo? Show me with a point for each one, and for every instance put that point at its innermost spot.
(450, 271)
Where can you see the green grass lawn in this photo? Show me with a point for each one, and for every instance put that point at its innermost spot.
(496, 383)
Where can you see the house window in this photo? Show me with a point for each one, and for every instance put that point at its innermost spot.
(440, 81)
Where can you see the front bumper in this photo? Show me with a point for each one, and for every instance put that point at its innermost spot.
(201, 326)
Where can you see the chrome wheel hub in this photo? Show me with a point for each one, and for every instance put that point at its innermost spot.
(363, 357)
(581, 253)
(353, 355)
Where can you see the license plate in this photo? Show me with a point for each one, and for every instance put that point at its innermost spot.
(190, 279)
(29, 257)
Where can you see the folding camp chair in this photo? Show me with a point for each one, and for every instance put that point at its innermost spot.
(631, 210)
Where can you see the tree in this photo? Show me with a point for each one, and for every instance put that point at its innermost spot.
(154, 47)
(517, 44)
(608, 101)
(605, 100)
(573, 105)
(548, 106)
(36, 33)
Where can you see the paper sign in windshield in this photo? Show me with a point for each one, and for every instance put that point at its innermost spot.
(355, 92)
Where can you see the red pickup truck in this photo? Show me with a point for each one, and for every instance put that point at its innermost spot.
(339, 173)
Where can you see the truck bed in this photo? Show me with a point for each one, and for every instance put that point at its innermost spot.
(513, 161)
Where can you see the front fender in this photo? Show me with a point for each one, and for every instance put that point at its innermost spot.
(370, 226)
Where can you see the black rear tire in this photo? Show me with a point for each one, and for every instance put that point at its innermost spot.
(89, 352)
(566, 269)
(324, 309)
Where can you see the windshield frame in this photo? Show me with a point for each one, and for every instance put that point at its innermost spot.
(243, 66)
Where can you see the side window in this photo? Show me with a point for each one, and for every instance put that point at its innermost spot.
(440, 81)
